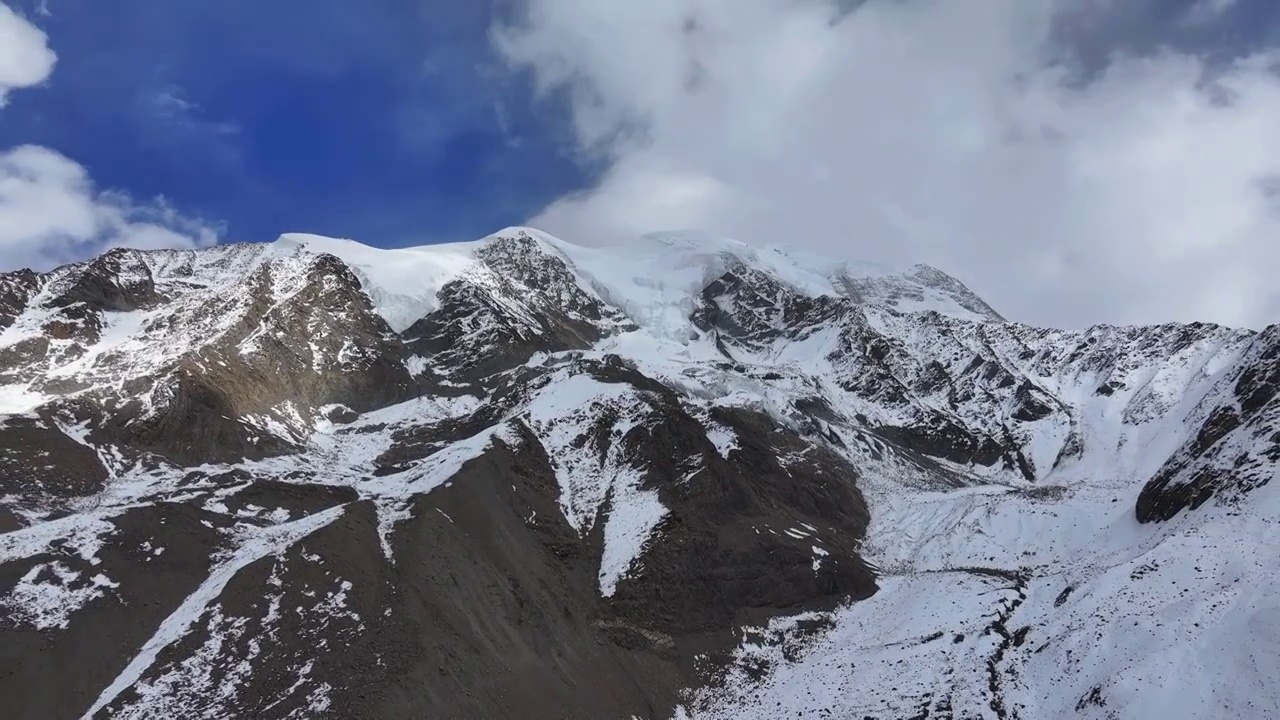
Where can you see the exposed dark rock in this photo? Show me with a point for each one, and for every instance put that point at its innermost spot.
(1032, 405)
(16, 290)
(1260, 382)
(1109, 388)
(59, 673)
(1202, 469)
(1222, 421)
(716, 545)
(341, 415)
(18, 361)
(198, 424)
(38, 459)
(529, 302)
(945, 440)
(10, 520)
(417, 442)
(116, 281)
(747, 307)
(298, 499)
(1162, 498)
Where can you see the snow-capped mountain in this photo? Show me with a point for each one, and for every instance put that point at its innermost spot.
(681, 478)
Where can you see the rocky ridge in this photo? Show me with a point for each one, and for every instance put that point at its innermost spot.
(687, 477)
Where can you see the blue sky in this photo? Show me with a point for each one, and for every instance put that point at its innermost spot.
(393, 122)
(1075, 161)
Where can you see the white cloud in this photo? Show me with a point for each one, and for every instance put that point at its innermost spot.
(25, 57)
(50, 213)
(1206, 11)
(171, 107)
(927, 131)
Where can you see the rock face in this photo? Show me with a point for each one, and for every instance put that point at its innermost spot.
(522, 478)
(1237, 441)
(520, 299)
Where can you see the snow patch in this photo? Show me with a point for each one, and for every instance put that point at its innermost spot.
(47, 595)
(723, 438)
(633, 515)
(84, 534)
(20, 400)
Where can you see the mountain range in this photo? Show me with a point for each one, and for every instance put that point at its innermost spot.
(680, 478)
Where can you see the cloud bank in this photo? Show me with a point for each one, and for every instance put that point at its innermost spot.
(50, 211)
(959, 134)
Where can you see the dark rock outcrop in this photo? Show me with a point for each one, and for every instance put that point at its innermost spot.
(525, 301)
(1236, 447)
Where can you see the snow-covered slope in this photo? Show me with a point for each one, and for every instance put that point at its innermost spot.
(295, 479)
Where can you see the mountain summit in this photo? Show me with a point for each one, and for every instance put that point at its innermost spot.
(682, 478)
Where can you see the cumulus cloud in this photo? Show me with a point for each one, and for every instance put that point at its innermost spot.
(25, 57)
(50, 213)
(951, 133)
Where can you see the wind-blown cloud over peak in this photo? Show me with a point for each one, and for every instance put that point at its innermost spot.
(962, 135)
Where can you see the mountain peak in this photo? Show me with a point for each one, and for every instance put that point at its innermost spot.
(654, 279)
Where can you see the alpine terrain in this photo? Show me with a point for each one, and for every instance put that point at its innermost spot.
(684, 478)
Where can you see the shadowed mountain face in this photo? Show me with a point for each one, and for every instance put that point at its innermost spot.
(519, 478)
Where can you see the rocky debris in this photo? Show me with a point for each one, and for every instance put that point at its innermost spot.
(286, 500)
(495, 599)
(470, 320)
(1008, 640)
(947, 441)
(412, 443)
(725, 539)
(290, 337)
(549, 285)
(150, 560)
